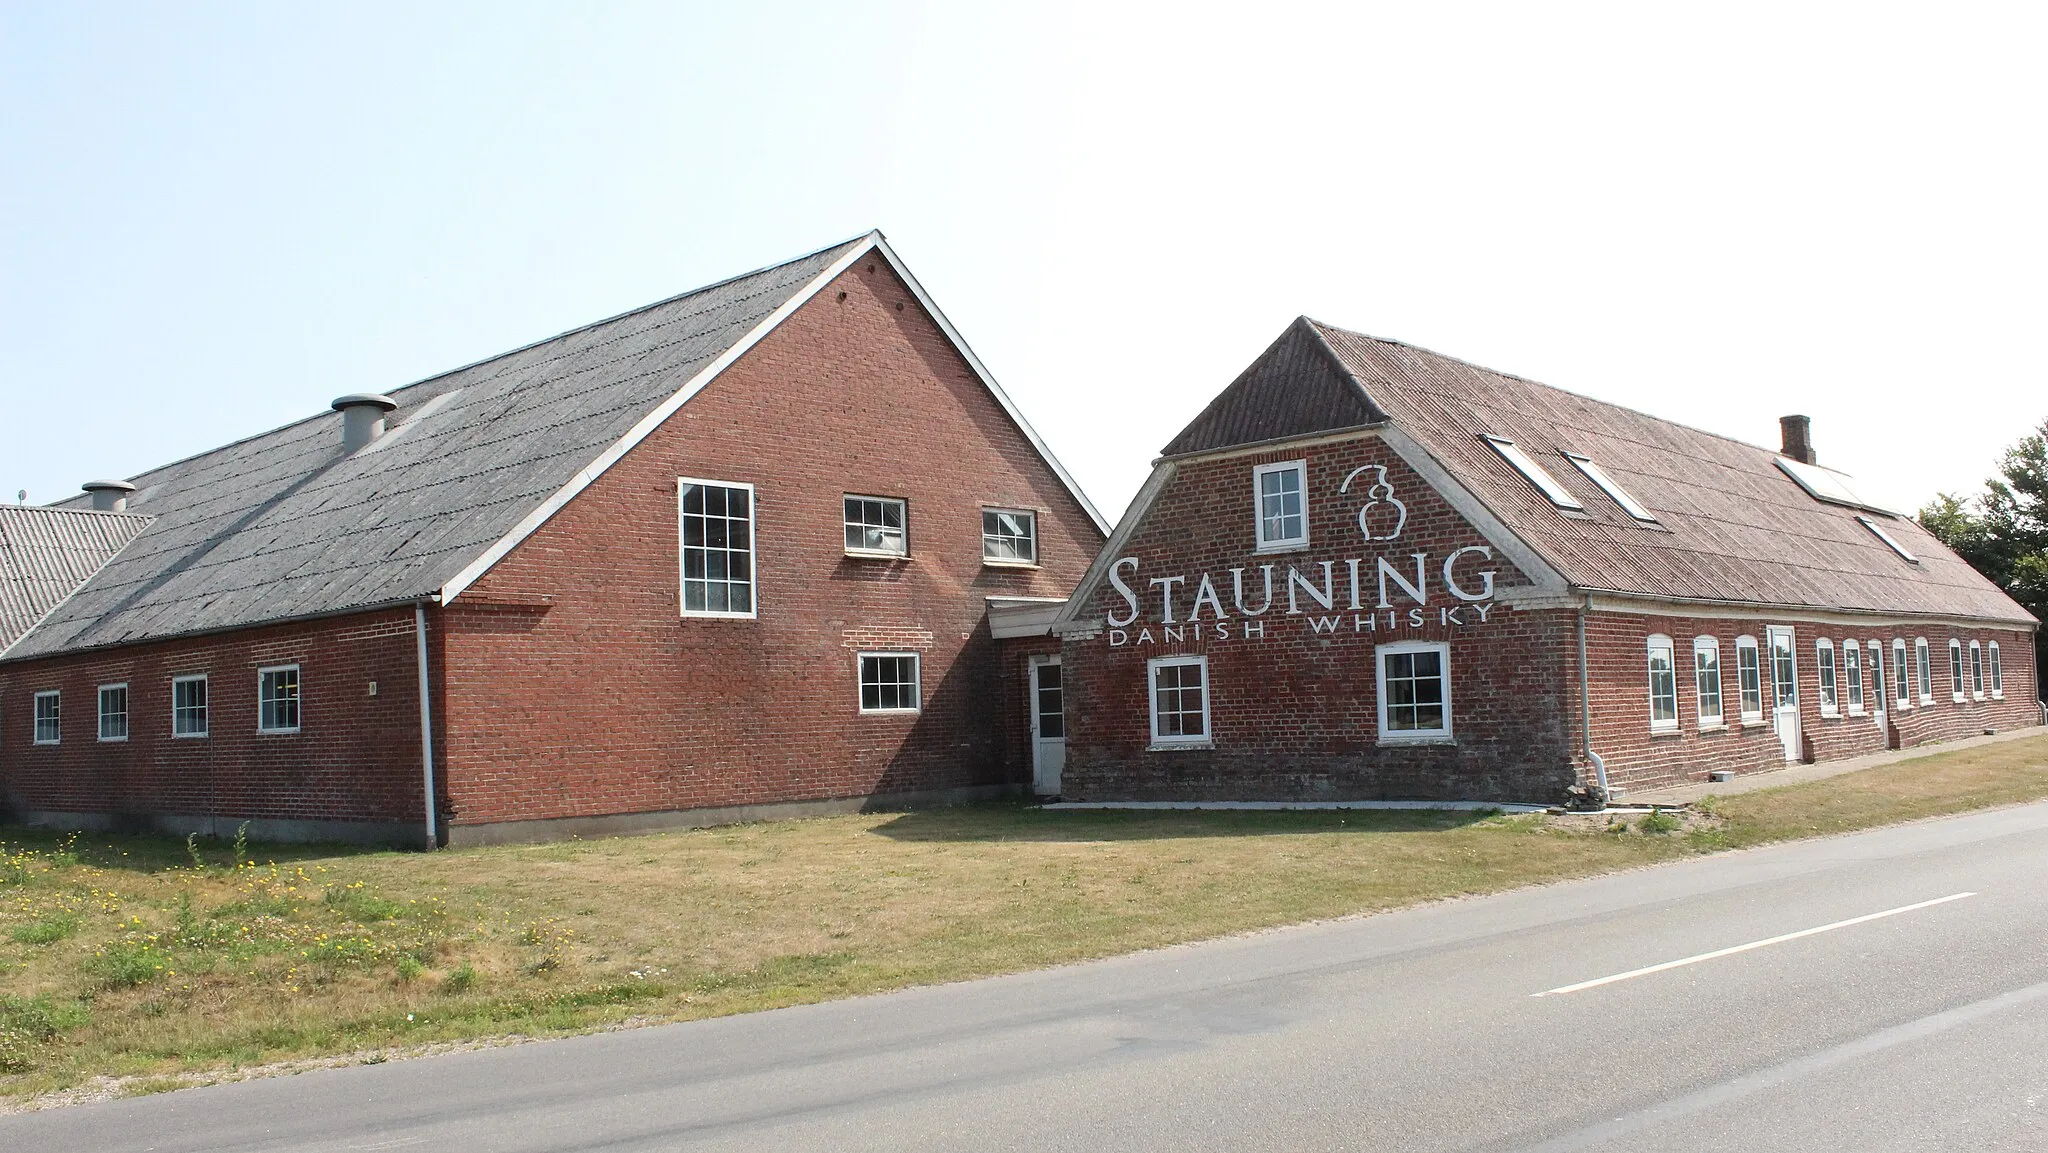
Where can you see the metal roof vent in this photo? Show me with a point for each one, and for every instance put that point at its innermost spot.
(109, 495)
(362, 418)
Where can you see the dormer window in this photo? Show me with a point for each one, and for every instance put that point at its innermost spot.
(1615, 492)
(1535, 473)
(1281, 495)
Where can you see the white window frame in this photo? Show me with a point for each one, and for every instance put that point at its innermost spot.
(35, 717)
(1659, 643)
(902, 531)
(1955, 671)
(1901, 688)
(1997, 673)
(1203, 739)
(1435, 736)
(753, 551)
(1534, 473)
(1976, 671)
(860, 683)
(1824, 672)
(205, 709)
(1030, 519)
(1747, 644)
(1877, 531)
(1717, 719)
(1923, 657)
(1263, 542)
(1852, 677)
(127, 706)
(298, 699)
(1636, 509)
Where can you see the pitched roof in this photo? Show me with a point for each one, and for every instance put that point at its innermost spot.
(1731, 527)
(1293, 389)
(283, 526)
(46, 553)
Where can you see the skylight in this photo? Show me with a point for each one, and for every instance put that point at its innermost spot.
(1825, 484)
(1887, 538)
(1558, 494)
(1608, 485)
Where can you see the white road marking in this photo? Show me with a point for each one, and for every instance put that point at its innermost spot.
(1734, 949)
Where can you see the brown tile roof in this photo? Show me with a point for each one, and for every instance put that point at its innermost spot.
(1734, 528)
(47, 553)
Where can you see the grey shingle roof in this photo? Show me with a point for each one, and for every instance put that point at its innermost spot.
(46, 553)
(282, 526)
(1739, 529)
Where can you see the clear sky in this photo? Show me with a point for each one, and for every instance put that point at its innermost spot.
(215, 218)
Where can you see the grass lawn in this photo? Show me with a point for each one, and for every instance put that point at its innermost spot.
(141, 960)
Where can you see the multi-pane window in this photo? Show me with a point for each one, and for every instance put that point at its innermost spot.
(188, 707)
(1997, 673)
(1955, 669)
(888, 682)
(1009, 536)
(1180, 699)
(1052, 716)
(1706, 664)
(1283, 507)
(718, 548)
(1824, 660)
(1874, 661)
(1415, 691)
(1926, 668)
(1976, 670)
(1902, 674)
(874, 524)
(1663, 684)
(113, 712)
(1749, 677)
(49, 728)
(1784, 685)
(1852, 674)
(277, 699)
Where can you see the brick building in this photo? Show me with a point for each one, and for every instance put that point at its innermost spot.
(679, 566)
(1367, 571)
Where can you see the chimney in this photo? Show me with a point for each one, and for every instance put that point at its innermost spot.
(109, 495)
(362, 418)
(1798, 433)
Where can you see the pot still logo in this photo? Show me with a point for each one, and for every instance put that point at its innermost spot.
(1376, 595)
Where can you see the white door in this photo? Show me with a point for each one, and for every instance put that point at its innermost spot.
(1048, 726)
(1785, 690)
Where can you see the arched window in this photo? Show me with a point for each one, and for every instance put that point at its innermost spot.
(1926, 664)
(1997, 673)
(1977, 670)
(1663, 684)
(1706, 664)
(1902, 674)
(1749, 677)
(1955, 669)
(1824, 652)
(1852, 675)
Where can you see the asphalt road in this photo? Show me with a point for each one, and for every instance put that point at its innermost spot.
(1925, 1028)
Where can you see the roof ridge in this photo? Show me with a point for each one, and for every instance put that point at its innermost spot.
(75, 511)
(1552, 387)
(667, 300)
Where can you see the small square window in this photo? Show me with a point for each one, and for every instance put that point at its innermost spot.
(1279, 493)
(889, 683)
(113, 712)
(277, 699)
(49, 717)
(1415, 691)
(874, 526)
(188, 707)
(1009, 536)
(1179, 700)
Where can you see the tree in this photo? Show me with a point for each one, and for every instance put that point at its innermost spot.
(2003, 531)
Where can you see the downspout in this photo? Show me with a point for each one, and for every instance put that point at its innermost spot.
(419, 621)
(1586, 706)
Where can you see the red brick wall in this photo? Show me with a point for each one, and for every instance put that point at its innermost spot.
(581, 692)
(1295, 712)
(356, 757)
(1617, 653)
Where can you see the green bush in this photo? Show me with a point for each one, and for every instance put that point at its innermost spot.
(1659, 822)
(459, 979)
